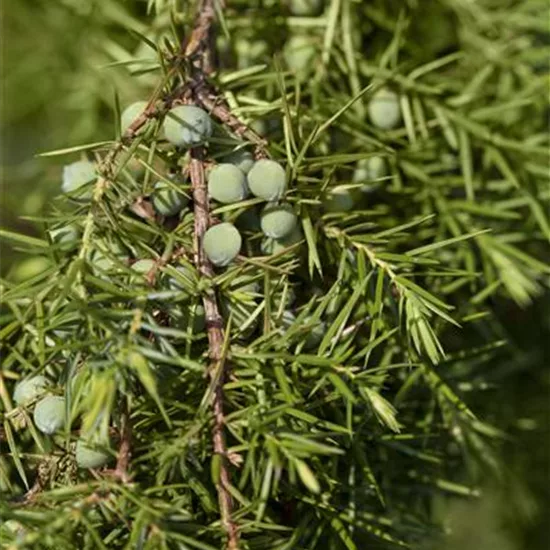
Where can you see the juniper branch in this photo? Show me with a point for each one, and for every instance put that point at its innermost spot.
(199, 50)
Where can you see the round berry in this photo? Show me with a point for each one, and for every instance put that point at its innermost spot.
(377, 167)
(260, 126)
(135, 168)
(29, 389)
(187, 278)
(278, 221)
(369, 169)
(299, 52)
(227, 184)
(130, 114)
(65, 237)
(221, 243)
(384, 110)
(187, 315)
(143, 267)
(339, 199)
(242, 159)
(249, 220)
(267, 180)
(286, 320)
(275, 246)
(187, 126)
(283, 297)
(166, 200)
(77, 175)
(90, 456)
(314, 334)
(249, 289)
(250, 52)
(28, 268)
(241, 312)
(49, 414)
(306, 7)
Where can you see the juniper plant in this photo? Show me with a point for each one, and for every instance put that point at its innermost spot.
(308, 389)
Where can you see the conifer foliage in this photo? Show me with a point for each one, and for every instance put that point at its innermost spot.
(265, 290)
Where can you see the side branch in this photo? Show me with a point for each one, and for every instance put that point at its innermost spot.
(199, 48)
(216, 105)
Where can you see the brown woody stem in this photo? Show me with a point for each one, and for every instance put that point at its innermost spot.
(200, 52)
(125, 447)
(214, 325)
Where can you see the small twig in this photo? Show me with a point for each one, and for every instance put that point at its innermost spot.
(32, 493)
(217, 106)
(43, 473)
(199, 48)
(143, 209)
(125, 447)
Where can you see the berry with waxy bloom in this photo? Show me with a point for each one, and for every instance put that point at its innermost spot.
(29, 388)
(130, 114)
(278, 220)
(222, 243)
(49, 414)
(77, 175)
(187, 126)
(166, 200)
(88, 455)
(227, 183)
(306, 7)
(384, 109)
(241, 158)
(339, 199)
(267, 180)
(299, 53)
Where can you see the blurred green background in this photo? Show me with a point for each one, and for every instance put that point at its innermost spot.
(63, 61)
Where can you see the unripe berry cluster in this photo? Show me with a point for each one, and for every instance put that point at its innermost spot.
(231, 183)
(49, 414)
(254, 219)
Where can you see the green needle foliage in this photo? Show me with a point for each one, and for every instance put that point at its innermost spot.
(354, 353)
